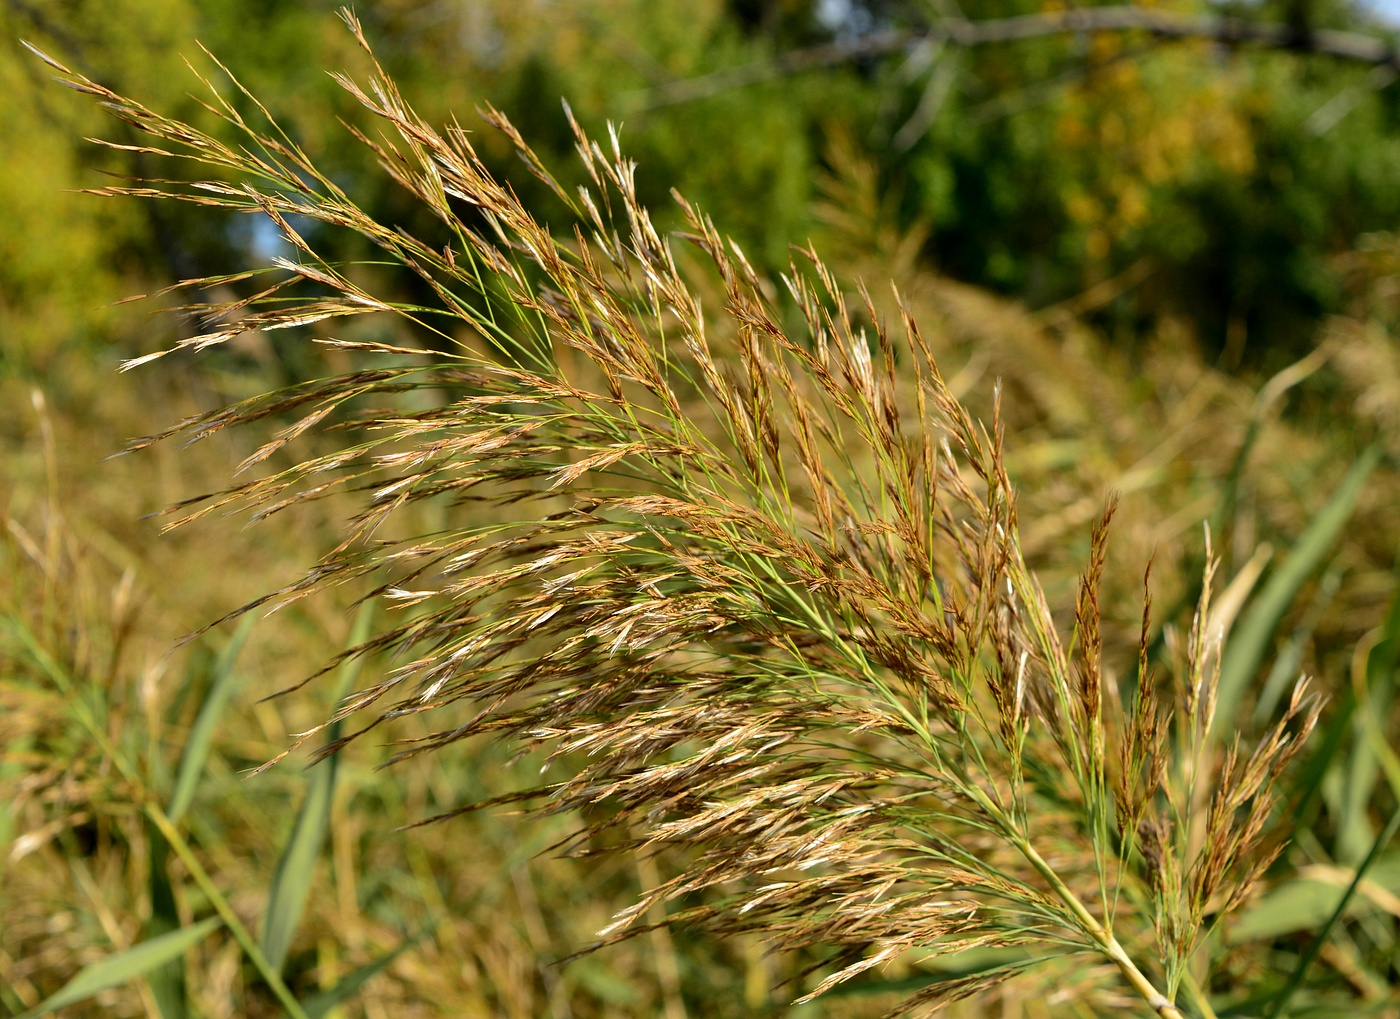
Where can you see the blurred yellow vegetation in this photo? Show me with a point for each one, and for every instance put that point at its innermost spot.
(1138, 124)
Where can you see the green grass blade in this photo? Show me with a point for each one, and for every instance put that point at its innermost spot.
(201, 737)
(167, 982)
(169, 831)
(1354, 829)
(292, 882)
(295, 869)
(322, 1002)
(1307, 787)
(126, 966)
(177, 841)
(1249, 643)
(1288, 658)
(1295, 981)
(1297, 905)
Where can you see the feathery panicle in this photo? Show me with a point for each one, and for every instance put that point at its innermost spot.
(747, 573)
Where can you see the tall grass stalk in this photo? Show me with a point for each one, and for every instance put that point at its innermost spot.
(736, 563)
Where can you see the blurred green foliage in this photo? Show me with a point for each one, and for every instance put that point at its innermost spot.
(1220, 183)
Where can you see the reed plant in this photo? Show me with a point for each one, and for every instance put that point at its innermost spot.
(733, 564)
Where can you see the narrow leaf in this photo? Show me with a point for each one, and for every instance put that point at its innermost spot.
(319, 1004)
(1250, 642)
(1295, 981)
(1354, 830)
(167, 982)
(296, 868)
(125, 967)
(202, 733)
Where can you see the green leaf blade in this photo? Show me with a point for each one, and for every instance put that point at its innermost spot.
(322, 1002)
(126, 966)
(1249, 644)
(201, 738)
(291, 884)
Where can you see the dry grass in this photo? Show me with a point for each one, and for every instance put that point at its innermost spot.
(90, 609)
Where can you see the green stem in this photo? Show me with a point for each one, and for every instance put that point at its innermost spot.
(221, 906)
(1103, 937)
(158, 817)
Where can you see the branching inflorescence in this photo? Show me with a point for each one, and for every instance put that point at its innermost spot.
(749, 576)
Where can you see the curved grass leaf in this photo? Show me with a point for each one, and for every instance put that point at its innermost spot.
(1249, 643)
(1354, 831)
(124, 967)
(295, 869)
(292, 882)
(1295, 980)
(319, 1004)
(202, 733)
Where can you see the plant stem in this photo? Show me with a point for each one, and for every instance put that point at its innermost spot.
(1103, 937)
(221, 906)
(171, 834)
